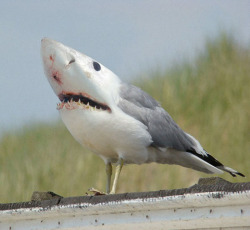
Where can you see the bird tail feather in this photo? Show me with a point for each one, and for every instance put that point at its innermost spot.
(233, 172)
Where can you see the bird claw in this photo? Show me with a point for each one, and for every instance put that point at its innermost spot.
(95, 192)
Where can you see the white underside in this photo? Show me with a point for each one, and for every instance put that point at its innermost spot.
(110, 135)
(117, 135)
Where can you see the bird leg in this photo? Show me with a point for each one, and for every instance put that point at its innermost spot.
(117, 174)
(109, 174)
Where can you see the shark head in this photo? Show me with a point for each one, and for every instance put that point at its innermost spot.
(78, 80)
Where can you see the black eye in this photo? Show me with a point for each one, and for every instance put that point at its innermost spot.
(97, 66)
(72, 60)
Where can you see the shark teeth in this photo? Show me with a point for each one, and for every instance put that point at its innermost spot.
(71, 105)
(81, 100)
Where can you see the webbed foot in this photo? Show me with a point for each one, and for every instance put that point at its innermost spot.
(95, 192)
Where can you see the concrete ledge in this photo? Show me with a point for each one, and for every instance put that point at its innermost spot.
(212, 203)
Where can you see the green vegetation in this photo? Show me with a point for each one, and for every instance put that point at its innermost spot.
(208, 99)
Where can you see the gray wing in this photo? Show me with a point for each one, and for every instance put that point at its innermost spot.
(162, 128)
(164, 131)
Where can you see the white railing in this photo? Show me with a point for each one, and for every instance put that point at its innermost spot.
(225, 206)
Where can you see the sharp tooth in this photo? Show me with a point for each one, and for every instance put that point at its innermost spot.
(88, 104)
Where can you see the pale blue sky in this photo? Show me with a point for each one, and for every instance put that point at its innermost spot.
(129, 37)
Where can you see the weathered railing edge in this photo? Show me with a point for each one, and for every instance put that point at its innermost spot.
(214, 185)
(210, 203)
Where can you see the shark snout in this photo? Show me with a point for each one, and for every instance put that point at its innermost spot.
(47, 41)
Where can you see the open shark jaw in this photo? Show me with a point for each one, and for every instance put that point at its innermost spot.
(72, 101)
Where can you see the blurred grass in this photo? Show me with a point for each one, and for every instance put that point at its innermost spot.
(208, 98)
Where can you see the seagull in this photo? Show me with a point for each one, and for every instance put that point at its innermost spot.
(119, 122)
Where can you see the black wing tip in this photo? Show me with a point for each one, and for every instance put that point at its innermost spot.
(211, 160)
(207, 158)
(237, 173)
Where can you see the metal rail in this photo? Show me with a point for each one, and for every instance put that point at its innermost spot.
(211, 204)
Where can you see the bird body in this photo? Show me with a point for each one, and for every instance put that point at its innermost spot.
(118, 121)
(109, 135)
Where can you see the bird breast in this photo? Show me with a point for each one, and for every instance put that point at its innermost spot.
(110, 135)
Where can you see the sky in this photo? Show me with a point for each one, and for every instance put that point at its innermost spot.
(129, 37)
